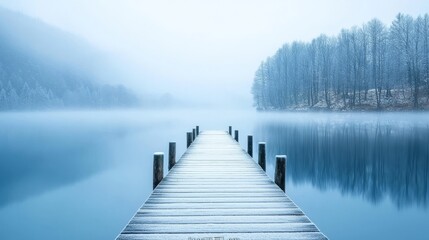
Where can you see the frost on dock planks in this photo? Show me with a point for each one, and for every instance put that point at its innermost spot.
(217, 192)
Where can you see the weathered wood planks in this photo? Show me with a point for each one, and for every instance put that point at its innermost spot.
(216, 192)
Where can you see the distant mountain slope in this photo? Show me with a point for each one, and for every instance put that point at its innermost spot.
(42, 67)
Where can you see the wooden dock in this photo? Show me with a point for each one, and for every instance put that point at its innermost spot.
(216, 191)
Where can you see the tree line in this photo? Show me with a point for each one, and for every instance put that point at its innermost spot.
(28, 83)
(24, 97)
(31, 82)
(373, 65)
(44, 68)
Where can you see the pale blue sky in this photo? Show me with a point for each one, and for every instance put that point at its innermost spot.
(213, 46)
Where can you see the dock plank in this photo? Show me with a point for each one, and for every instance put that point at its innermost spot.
(216, 191)
(224, 236)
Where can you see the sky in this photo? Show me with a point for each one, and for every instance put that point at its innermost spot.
(203, 52)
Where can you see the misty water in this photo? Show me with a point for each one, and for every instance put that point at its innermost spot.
(82, 175)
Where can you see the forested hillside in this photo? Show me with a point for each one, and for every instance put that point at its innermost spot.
(42, 68)
(373, 66)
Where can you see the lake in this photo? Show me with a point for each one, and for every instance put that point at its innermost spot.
(83, 174)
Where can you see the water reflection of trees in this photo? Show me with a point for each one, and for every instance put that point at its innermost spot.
(371, 160)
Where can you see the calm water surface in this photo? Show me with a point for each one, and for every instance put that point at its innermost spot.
(82, 175)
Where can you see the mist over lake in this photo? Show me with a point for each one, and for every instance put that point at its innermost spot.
(64, 171)
(283, 119)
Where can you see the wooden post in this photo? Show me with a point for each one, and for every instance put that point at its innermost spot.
(261, 155)
(193, 134)
(230, 130)
(188, 139)
(158, 168)
(250, 145)
(171, 155)
(280, 172)
(236, 135)
(198, 130)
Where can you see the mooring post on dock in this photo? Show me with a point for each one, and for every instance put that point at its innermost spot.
(193, 134)
(236, 135)
(188, 139)
(280, 172)
(197, 128)
(250, 145)
(261, 155)
(199, 197)
(230, 130)
(158, 168)
(171, 155)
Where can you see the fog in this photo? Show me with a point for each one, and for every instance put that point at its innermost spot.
(68, 171)
(201, 53)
